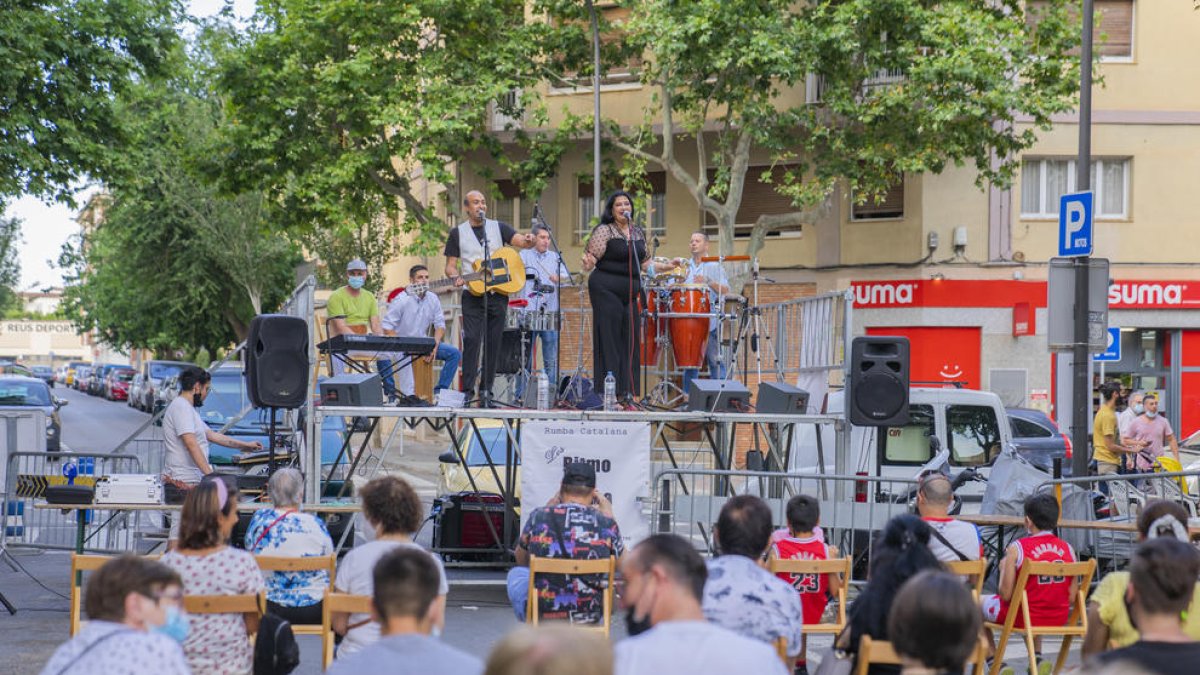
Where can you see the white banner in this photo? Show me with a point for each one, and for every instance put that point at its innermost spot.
(619, 451)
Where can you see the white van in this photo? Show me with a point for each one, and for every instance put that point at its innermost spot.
(970, 424)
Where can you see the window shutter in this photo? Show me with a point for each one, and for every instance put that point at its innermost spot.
(758, 199)
(508, 189)
(1116, 25)
(891, 206)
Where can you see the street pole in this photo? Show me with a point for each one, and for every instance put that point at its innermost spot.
(1081, 389)
(596, 110)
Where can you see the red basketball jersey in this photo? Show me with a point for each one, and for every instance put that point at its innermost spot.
(1049, 597)
(813, 588)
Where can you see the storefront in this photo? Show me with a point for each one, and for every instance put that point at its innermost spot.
(991, 334)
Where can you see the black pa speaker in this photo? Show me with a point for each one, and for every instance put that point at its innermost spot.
(878, 387)
(779, 398)
(277, 361)
(718, 396)
(353, 389)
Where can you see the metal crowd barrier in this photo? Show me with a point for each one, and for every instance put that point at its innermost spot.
(687, 502)
(104, 531)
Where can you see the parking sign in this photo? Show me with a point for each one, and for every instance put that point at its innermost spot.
(1075, 225)
(1112, 352)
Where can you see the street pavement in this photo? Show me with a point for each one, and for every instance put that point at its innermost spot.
(477, 616)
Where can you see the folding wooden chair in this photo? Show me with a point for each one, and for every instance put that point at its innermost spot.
(605, 566)
(81, 563)
(338, 603)
(328, 563)
(832, 566)
(874, 652)
(1076, 625)
(974, 570)
(781, 644)
(243, 603)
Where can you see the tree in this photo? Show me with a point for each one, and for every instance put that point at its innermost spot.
(10, 263)
(337, 104)
(65, 65)
(906, 86)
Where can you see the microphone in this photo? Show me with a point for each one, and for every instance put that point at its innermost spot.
(627, 214)
(481, 214)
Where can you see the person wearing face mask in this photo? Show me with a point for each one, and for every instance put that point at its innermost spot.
(353, 310)
(1133, 408)
(216, 644)
(664, 583)
(186, 438)
(136, 623)
(412, 313)
(1153, 431)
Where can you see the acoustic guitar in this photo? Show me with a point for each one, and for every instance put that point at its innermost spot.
(503, 273)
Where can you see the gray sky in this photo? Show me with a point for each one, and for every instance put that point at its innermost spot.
(46, 227)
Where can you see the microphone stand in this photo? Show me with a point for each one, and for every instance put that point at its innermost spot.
(485, 394)
(562, 266)
(636, 300)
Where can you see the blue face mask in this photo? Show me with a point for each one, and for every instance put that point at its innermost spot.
(1139, 409)
(357, 282)
(176, 626)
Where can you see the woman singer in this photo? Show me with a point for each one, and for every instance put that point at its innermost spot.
(616, 250)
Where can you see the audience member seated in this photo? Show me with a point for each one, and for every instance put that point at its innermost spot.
(406, 581)
(393, 508)
(740, 594)
(899, 553)
(664, 584)
(1049, 598)
(803, 542)
(136, 623)
(934, 625)
(951, 540)
(284, 530)
(551, 650)
(216, 643)
(1108, 614)
(1162, 583)
(576, 523)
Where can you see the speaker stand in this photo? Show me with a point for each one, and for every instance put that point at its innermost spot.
(271, 445)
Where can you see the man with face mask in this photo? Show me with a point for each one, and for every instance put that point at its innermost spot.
(1153, 431)
(664, 583)
(411, 314)
(353, 310)
(136, 623)
(1132, 410)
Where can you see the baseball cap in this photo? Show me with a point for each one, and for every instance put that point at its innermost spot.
(356, 264)
(579, 473)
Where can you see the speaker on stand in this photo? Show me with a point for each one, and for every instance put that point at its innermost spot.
(877, 392)
(277, 369)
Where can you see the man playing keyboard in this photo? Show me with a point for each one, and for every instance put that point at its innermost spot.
(410, 314)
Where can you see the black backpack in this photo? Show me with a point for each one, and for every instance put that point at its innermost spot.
(275, 648)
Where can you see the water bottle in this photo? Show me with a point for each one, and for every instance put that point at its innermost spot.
(610, 392)
(543, 391)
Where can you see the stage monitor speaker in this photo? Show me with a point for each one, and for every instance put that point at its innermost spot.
(277, 361)
(878, 387)
(718, 396)
(353, 389)
(778, 398)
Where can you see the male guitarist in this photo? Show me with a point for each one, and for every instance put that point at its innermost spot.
(471, 241)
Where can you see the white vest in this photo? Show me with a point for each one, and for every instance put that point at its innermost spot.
(469, 247)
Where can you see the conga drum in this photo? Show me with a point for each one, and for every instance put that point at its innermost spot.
(648, 303)
(689, 335)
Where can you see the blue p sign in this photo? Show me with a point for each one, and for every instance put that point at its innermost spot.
(1075, 225)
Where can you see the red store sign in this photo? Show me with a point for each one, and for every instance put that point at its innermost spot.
(1131, 294)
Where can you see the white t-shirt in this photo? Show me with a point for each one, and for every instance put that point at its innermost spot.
(695, 648)
(963, 536)
(355, 575)
(181, 417)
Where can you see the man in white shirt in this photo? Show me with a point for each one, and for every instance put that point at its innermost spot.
(664, 584)
(711, 275)
(541, 292)
(136, 623)
(1132, 410)
(411, 314)
(186, 436)
(953, 540)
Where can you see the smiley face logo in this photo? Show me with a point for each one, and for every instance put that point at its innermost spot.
(951, 371)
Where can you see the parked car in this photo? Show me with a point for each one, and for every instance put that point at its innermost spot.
(45, 374)
(80, 378)
(116, 384)
(13, 368)
(1038, 439)
(154, 374)
(135, 391)
(453, 476)
(165, 392)
(17, 391)
(69, 372)
(98, 380)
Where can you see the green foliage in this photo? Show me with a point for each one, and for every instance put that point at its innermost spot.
(337, 103)
(173, 263)
(10, 262)
(65, 65)
(907, 86)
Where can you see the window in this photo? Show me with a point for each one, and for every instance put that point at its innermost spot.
(1023, 428)
(974, 434)
(909, 444)
(1113, 30)
(758, 199)
(656, 205)
(511, 206)
(1044, 181)
(889, 206)
(626, 74)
